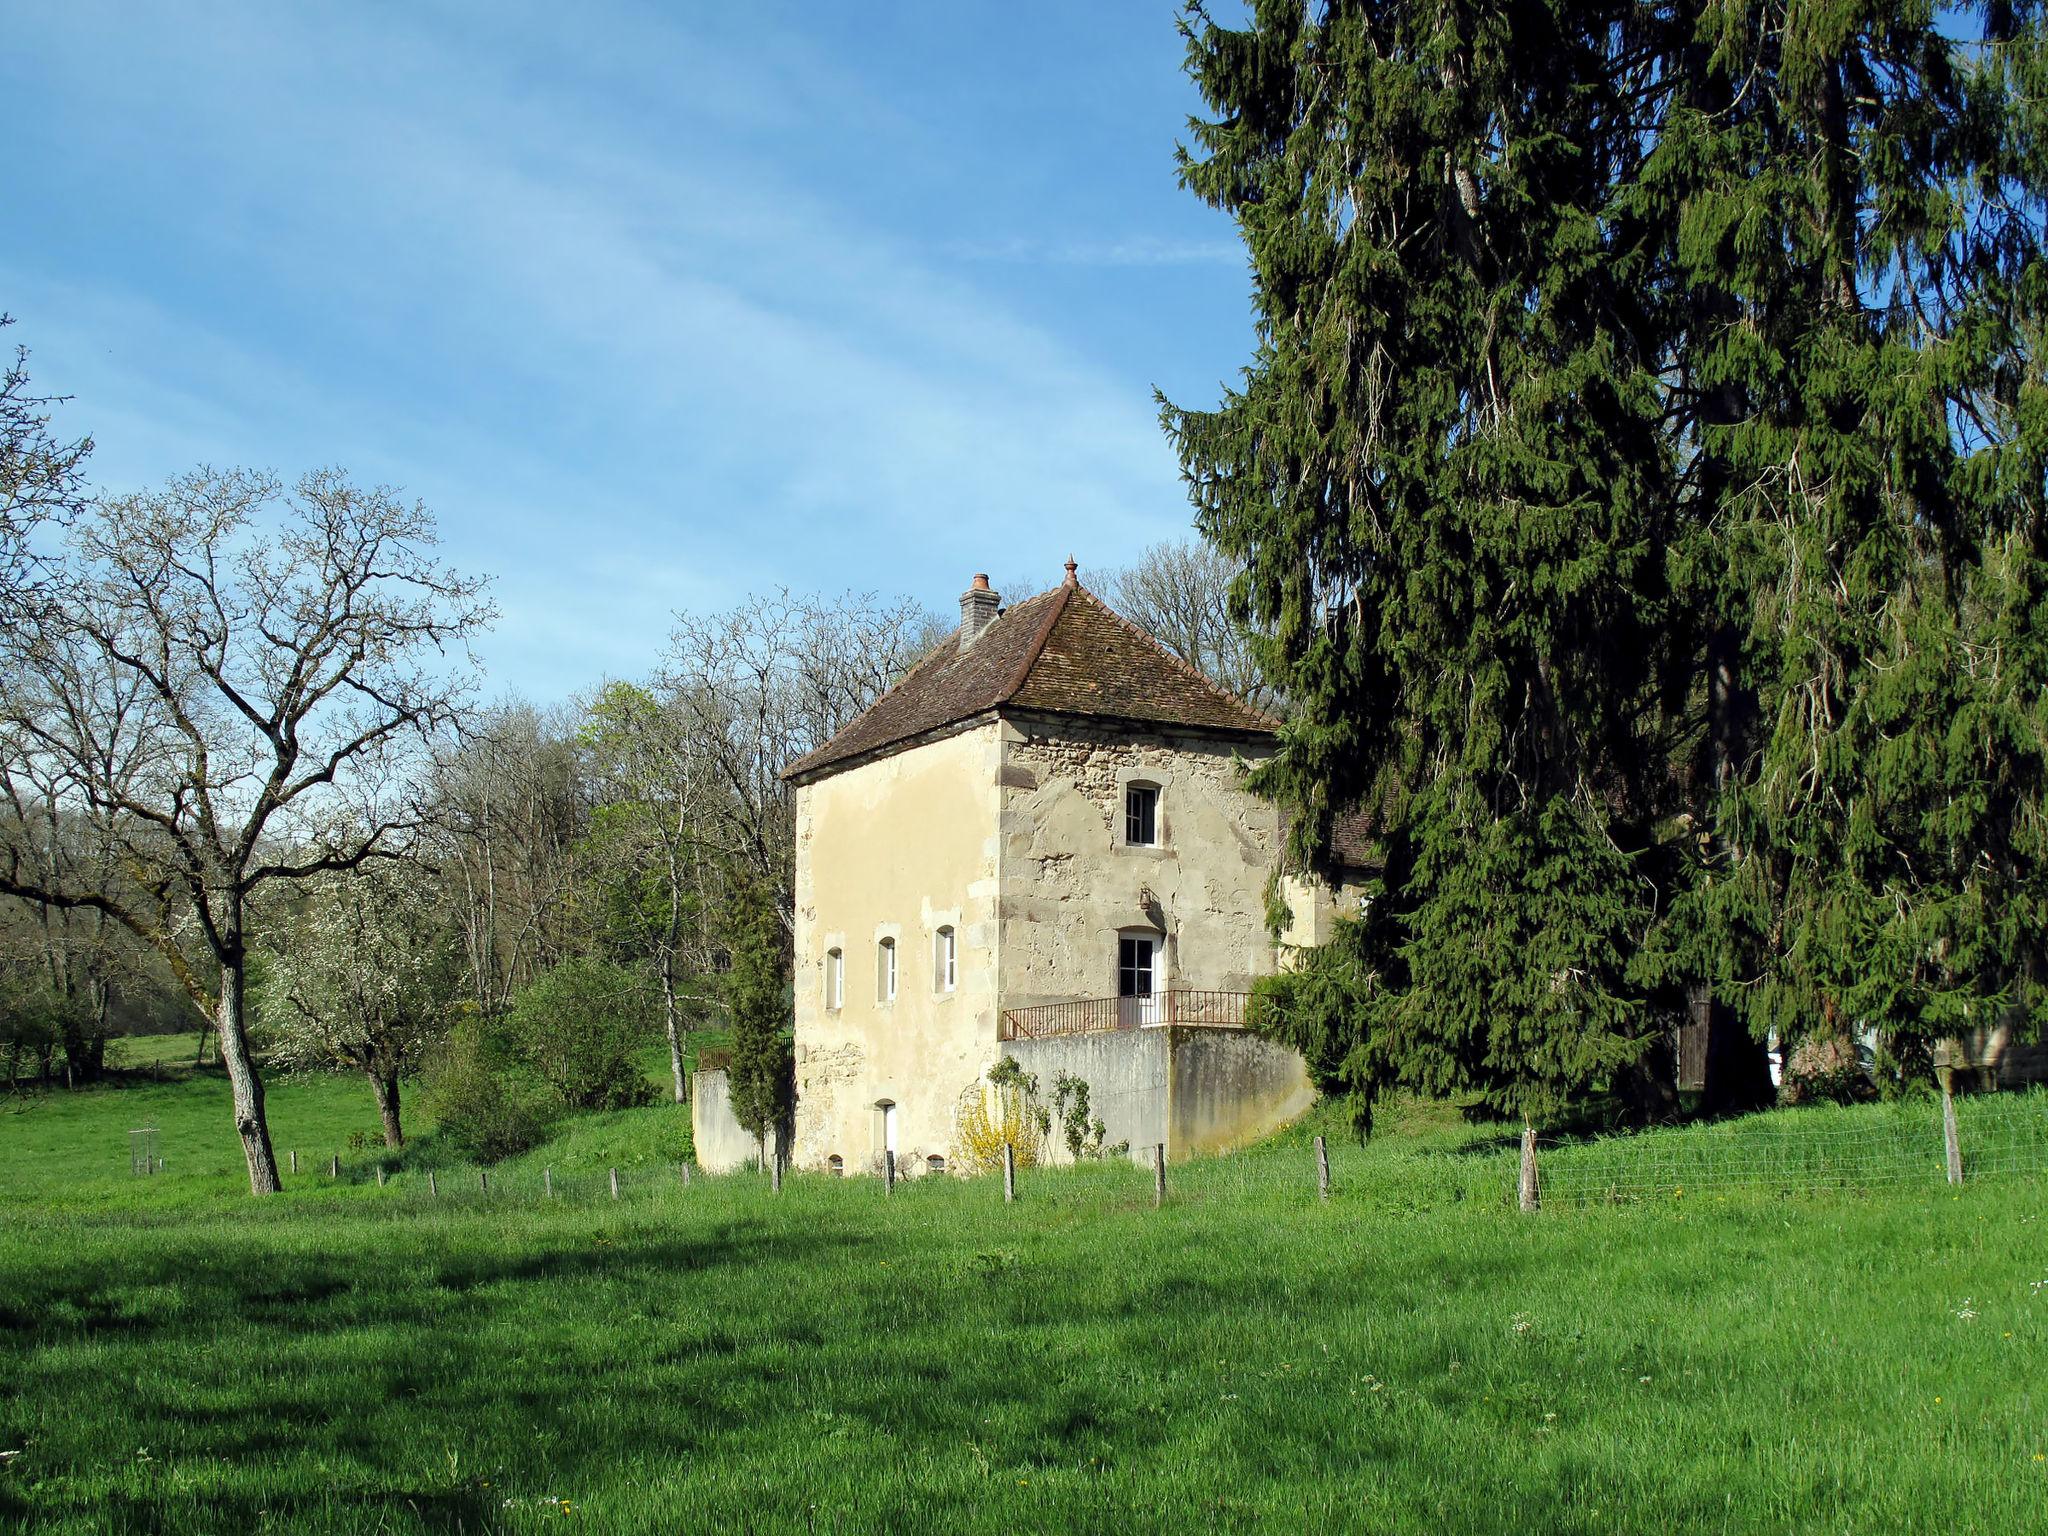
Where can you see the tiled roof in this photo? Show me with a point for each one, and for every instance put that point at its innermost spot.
(1063, 652)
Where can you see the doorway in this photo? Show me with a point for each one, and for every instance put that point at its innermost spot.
(1137, 974)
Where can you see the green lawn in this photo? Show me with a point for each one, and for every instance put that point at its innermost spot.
(1413, 1355)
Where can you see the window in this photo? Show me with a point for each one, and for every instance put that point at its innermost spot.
(1141, 815)
(837, 1165)
(885, 971)
(835, 978)
(1133, 967)
(935, 1164)
(945, 961)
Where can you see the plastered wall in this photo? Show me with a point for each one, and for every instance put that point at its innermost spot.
(895, 848)
(722, 1144)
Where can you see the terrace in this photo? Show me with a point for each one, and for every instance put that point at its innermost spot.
(1100, 1015)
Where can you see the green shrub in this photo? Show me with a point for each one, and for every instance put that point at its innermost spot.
(487, 1104)
(580, 1026)
(1824, 1070)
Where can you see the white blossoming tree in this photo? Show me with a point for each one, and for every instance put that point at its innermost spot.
(364, 981)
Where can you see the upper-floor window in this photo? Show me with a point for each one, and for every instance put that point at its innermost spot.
(885, 971)
(1141, 815)
(945, 961)
(835, 978)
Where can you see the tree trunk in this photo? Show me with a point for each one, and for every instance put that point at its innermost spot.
(668, 960)
(673, 1017)
(384, 1088)
(232, 1025)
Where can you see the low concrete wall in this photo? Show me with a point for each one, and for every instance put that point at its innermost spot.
(723, 1144)
(1193, 1088)
(1994, 1057)
(1230, 1088)
(1126, 1072)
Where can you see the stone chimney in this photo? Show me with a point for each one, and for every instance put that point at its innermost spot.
(978, 608)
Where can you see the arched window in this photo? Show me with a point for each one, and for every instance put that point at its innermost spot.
(885, 971)
(835, 978)
(1141, 815)
(836, 1165)
(935, 1164)
(945, 961)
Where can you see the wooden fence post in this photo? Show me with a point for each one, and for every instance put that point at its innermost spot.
(1526, 1185)
(484, 1179)
(1009, 1173)
(1158, 1174)
(295, 1164)
(380, 1175)
(1322, 1169)
(888, 1173)
(547, 1182)
(1951, 1142)
(433, 1184)
(615, 1183)
(334, 1166)
(683, 1172)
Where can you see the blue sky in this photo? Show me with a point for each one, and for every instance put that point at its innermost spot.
(654, 304)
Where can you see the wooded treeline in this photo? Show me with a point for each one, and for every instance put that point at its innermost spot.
(250, 783)
(1640, 483)
(245, 762)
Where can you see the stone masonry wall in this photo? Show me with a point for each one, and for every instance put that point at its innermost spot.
(1070, 885)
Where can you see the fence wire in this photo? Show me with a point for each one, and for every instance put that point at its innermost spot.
(1797, 1152)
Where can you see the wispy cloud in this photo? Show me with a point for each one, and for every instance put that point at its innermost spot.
(1129, 251)
(637, 362)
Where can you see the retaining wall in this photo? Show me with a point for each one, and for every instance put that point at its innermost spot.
(723, 1144)
(1195, 1088)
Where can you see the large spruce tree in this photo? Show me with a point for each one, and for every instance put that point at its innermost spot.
(1639, 486)
(1444, 475)
(1852, 194)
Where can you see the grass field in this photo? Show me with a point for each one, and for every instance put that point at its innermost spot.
(1412, 1355)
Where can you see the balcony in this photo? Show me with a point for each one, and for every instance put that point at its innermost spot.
(1099, 1015)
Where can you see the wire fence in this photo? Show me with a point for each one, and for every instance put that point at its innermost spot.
(511, 1181)
(1871, 1147)
(1866, 1149)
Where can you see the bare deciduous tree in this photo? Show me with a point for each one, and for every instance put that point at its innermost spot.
(513, 797)
(42, 479)
(652, 787)
(1180, 595)
(62, 846)
(764, 683)
(274, 664)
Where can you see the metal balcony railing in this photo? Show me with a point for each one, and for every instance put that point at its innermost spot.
(1095, 1015)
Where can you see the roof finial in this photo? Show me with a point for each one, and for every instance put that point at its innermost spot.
(1072, 579)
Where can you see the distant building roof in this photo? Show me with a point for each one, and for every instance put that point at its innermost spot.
(1064, 652)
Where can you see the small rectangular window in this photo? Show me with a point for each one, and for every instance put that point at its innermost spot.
(1141, 815)
(835, 979)
(945, 961)
(885, 971)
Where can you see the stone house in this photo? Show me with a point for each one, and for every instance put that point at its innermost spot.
(1038, 843)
